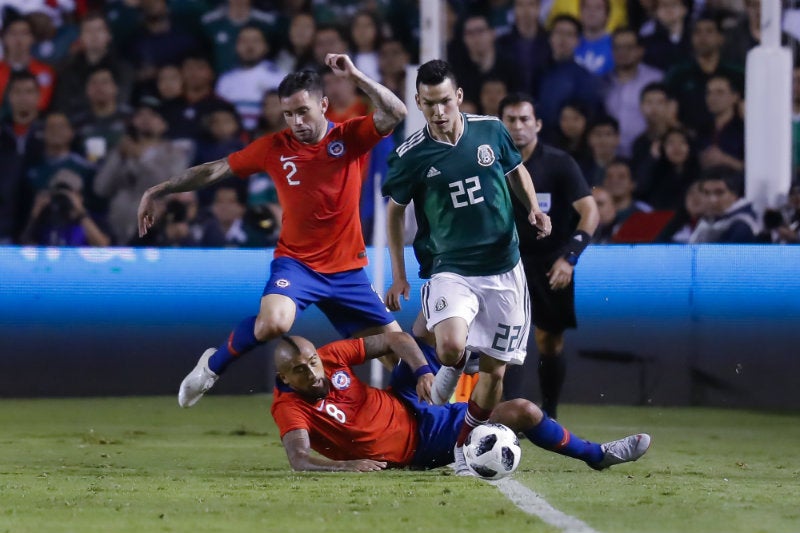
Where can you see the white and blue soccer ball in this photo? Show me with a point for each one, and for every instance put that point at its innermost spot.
(492, 451)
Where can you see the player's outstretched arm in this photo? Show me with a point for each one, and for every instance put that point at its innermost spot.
(522, 185)
(389, 109)
(395, 237)
(191, 179)
(406, 348)
(298, 449)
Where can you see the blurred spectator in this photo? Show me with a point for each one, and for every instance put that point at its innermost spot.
(687, 81)
(722, 140)
(668, 43)
(403, 18)
(572, 131)
(12, 187)
(198, 89)
(271, 119)
(58, 217)
(744, 35)
(95, 52)
(664, 184)
(796, 121)
(618, 12)
(619, 183)
(603, 141)
(660, 114)
(22, 127)
(492, 91)
(594, 49)
(623, 87)
(141, 160)
(337, 12)
(680, 227)
(783, 225)
(175, 227)
(221, 28)
(158, 41)
(564, 79)
(102, 125)
(344, 101)
(328, 40)
(298, 54)
(482, 61)
(366, 35)
(526, 46)
(52, 41)
(17, 37)
(605, 207)
(244, 86)
(221, 137)
(226, 226)
(393, 58)
(729, 218)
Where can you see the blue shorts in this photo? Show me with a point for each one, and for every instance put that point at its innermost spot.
(346, 298)
(437, 425)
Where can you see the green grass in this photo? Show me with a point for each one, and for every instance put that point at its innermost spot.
(145, 465)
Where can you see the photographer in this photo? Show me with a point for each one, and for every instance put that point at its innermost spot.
(59, 218)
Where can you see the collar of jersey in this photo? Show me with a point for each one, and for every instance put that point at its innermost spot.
(463, 133)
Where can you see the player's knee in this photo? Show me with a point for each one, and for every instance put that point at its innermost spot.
(272, 325)
(449, 352)
(529, 413)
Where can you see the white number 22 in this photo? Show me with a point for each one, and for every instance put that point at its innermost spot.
(472, 192)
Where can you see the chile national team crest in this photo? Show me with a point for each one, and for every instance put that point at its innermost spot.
(340, 380)
(485, 155)
(336, 149)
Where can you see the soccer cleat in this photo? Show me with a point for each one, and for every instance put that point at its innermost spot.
(444, 384)
(623, 450)
(473, 363)
(460, 465)
(197, 383)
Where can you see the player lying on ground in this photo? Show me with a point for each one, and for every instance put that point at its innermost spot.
(321, 405)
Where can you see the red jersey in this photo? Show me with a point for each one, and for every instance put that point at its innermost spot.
(355, 421)
(319, 188)
(45, 77)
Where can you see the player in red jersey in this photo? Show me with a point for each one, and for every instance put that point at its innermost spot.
(320, 404)
(317, 167)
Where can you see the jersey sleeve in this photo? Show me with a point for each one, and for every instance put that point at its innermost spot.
(399, 184)
(361, 134)
(510, 157)
(347, 352)
(288, 417)
(251, 158)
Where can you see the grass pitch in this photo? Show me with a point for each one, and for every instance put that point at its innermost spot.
(145, 465)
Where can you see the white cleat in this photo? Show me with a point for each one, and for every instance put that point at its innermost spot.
(460, 465)
(197, 383)
(444, 384)
(623, 450)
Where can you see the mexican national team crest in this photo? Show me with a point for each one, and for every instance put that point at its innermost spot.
(336, 149)
(441, 303)
(340, 380)
(485, 155)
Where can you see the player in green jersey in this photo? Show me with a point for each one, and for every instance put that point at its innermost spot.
(457, 171)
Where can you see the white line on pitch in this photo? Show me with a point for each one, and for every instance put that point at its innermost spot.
(530, 502)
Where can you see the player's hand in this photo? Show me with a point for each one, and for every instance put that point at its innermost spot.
(542, 222)
(341, 65)
(146, 214)
(363, 465)
(560, 274)
(398, 289)
(424, 386)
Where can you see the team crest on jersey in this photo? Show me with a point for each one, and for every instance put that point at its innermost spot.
(340, 380)
(336, 149)
(441, 303)
(485, 155)
(282, 283)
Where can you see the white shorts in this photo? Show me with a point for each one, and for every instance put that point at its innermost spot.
(496, 309)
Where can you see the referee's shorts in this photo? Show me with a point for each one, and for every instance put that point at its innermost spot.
(552, 311)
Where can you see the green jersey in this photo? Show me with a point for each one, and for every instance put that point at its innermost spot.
(462, 204)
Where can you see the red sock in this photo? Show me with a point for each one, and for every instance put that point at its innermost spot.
(476, 415)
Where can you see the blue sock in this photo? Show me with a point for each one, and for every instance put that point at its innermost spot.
(550, 435)
(241, 340)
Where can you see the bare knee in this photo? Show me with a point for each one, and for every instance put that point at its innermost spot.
(518, 414)
(272, 324)
(449, 351)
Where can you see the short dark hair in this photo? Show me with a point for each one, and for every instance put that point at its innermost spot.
(570, 19)
(624, 30)
(305, 80)
(435, 72)
(515, 99)
(22, 75)
(604, 120)
(733, 180)
(654, 87)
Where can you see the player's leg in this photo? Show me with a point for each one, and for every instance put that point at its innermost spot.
(523, 416)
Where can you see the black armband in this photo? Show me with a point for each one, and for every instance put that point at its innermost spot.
(573, 249)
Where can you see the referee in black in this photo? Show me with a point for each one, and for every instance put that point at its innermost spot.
(549, 262)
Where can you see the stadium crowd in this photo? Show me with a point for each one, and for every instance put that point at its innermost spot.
(103, 99)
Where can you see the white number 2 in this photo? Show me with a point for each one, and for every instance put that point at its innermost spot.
(472, 192)
(333, 411)
(292, 170)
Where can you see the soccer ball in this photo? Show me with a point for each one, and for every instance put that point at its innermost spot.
(492, 451)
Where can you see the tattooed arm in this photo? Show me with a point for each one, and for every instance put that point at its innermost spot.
(191, 179)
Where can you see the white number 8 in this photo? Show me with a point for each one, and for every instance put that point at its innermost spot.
(336, 413)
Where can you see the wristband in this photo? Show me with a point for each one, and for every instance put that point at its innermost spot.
(421, 371)
(576, 245)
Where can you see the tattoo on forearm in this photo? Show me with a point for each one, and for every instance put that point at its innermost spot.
(196, 177)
